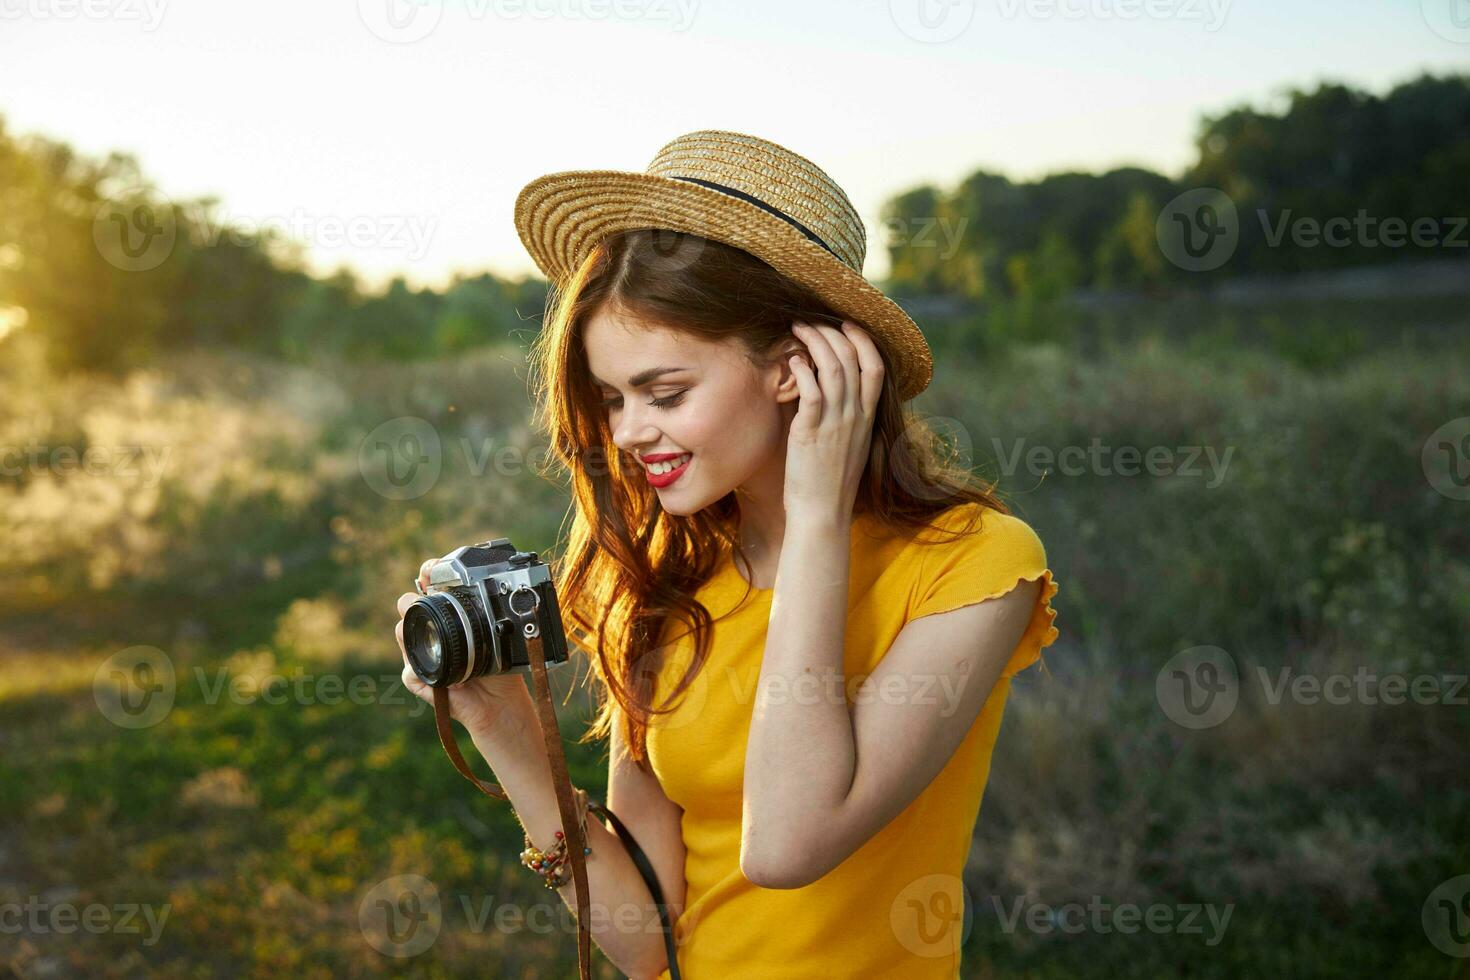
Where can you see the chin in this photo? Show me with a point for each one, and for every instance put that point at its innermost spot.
(678, 506)
(679, 502)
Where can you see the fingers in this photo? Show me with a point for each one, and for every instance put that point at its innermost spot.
(849, 365)
(810, 406)
(410, 680)
(846, 353)
(829, 368)
(870, 364)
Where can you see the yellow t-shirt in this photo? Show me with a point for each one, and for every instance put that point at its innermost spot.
(895, 907)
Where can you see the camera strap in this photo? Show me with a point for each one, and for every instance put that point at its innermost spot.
(566, 805)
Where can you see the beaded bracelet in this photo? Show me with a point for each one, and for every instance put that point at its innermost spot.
(552, 864)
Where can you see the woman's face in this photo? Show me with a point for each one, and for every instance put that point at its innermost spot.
(726, 418)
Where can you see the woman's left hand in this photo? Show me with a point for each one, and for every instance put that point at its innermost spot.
(827, 449)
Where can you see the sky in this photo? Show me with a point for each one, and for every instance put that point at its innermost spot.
(392, 136)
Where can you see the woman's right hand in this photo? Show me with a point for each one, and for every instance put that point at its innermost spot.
(492, 705)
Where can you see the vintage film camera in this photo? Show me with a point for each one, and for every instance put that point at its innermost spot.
(482, 603)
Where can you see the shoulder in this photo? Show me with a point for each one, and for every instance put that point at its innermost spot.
(982, 553)
(973, 532)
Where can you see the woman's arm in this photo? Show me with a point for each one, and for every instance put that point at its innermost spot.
(622, 916)
(822, 778)
(800, 756)
(501, 717)
(639, 801)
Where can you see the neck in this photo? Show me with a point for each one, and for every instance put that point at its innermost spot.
(762, 521)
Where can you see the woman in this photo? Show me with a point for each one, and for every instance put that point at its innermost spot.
(801, 619)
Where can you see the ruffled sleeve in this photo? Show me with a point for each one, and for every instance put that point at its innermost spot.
(998, 553)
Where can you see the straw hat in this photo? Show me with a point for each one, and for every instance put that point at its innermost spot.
(740, 190)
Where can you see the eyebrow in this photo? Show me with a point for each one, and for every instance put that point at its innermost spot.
(642, 377)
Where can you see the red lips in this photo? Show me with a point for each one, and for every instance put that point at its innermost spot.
(664, 479)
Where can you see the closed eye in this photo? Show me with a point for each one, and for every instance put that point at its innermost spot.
(668, 401)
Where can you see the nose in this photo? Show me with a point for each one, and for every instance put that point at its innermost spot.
(633, 429)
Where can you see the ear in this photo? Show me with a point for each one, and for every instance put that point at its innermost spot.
(786, 386)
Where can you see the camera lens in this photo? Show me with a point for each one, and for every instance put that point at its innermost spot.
(433, 646)
(444, 635)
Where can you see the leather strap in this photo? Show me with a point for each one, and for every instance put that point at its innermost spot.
(570, 824)
(451, 747)
(566, 804)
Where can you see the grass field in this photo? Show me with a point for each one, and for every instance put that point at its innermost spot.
(232, 524)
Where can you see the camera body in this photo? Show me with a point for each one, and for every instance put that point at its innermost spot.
(482, 605)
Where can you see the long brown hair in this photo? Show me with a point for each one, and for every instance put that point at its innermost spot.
(627, 566)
